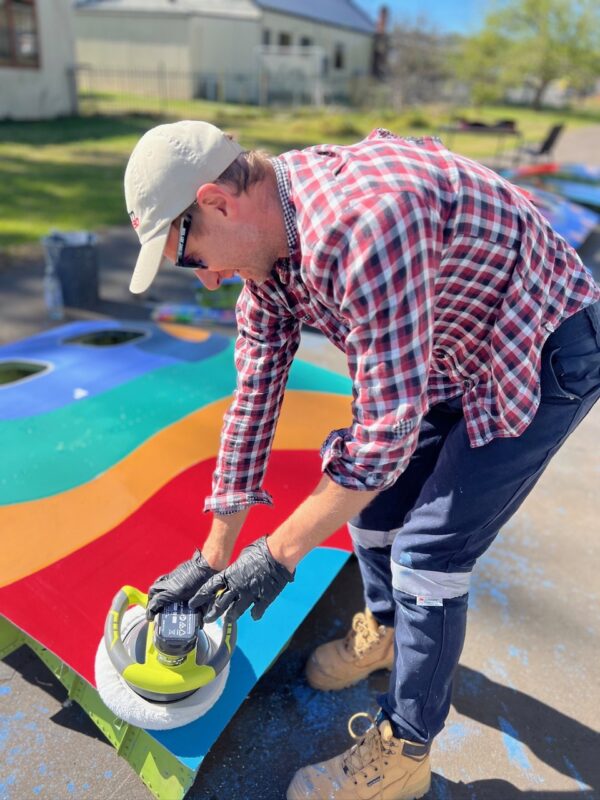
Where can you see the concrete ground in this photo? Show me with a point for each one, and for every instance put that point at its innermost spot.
(524, 721)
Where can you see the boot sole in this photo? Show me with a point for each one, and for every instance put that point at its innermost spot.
(416, 794)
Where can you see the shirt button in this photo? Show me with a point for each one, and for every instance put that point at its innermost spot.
(549, 326)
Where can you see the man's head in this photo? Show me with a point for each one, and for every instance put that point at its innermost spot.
(167, 167)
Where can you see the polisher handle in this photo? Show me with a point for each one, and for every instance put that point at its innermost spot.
(125, 597)
(228, 641)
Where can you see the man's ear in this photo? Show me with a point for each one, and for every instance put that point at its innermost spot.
(215, 197)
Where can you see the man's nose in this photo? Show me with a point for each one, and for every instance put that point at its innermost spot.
(212, 280)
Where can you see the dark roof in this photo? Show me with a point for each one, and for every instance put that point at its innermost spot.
(341, 13)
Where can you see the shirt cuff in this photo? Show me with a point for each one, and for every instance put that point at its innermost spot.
(232, 502)
(350, 473)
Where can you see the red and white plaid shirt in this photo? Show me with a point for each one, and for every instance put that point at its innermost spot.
(435, 276)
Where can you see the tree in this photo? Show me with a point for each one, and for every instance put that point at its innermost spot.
(418, 62)
(533, 43)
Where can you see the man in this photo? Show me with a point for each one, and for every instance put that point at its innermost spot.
(472, 334)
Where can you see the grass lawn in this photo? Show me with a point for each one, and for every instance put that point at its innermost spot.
(68, 173)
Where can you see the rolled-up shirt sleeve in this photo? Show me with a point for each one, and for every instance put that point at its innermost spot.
(384, 254)
(268, 337)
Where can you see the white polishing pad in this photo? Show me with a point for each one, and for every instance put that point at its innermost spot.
(130, 707)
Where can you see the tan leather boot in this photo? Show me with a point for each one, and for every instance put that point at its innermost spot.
(379, 767)
(368, 646)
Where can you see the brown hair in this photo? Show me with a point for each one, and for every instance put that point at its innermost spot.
(248, 168)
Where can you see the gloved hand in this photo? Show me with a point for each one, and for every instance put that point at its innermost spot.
(254, 577)
(180, 584)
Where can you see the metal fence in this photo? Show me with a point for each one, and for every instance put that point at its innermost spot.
(163, 91)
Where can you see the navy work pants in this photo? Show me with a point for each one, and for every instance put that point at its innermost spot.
(418, 541)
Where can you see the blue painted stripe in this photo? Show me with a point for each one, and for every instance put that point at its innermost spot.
(77, 371)
(259, 644)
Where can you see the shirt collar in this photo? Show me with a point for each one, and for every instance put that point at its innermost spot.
(284, 187)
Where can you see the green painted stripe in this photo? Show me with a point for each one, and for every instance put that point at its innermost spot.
(51, 453)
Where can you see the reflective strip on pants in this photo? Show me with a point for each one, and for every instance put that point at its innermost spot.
(370, 539)
(429, 584)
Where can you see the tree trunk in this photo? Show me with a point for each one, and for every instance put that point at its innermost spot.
(539, 93)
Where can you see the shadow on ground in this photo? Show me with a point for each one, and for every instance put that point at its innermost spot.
(285, 724)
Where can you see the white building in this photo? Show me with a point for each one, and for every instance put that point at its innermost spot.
(37, 59)
(240, 50)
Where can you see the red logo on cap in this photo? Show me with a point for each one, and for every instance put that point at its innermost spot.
(135, 221)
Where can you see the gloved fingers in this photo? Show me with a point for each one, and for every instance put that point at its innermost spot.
(161, 599)
(207, 591)
(221, 605)
(154, 606)
(157, 585)
(259, 608)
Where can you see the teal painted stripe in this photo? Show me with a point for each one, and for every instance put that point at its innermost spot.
(51, 453)
(316, 379)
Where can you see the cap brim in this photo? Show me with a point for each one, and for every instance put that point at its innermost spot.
(148, 262)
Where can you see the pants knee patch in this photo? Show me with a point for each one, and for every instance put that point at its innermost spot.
(429, 585)
(370, 539)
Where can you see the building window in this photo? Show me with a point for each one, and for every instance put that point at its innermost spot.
(18, 34)
(339, 57)
(285, 40)
(306, 41)
(266, 37)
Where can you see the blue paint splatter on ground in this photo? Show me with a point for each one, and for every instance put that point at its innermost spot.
(497, 668)
(108, 774)
(514, 747)
(471, 684)
(521, 655)
(71, 787)
(42, 769)
(38, 789)
(453, 736)
(5, 690)
(10, 781)
(573, 771)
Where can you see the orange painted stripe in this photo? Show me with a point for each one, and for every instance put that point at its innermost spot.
(185, 332)
(40, 532)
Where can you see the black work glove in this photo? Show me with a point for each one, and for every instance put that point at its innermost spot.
(254, 577)
(180, 584)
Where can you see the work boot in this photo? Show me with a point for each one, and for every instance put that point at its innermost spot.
(379, 767)
(368, 646)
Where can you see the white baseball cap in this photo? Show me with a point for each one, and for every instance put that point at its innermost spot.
(164, 172)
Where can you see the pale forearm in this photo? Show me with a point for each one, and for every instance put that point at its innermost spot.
(325, 510)
(221, 539)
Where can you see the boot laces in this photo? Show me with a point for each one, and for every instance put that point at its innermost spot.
(361, 636)
(369, 751)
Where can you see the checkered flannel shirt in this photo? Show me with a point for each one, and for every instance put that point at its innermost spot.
(434, 275)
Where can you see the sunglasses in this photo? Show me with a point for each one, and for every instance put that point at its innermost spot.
(182, 260)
